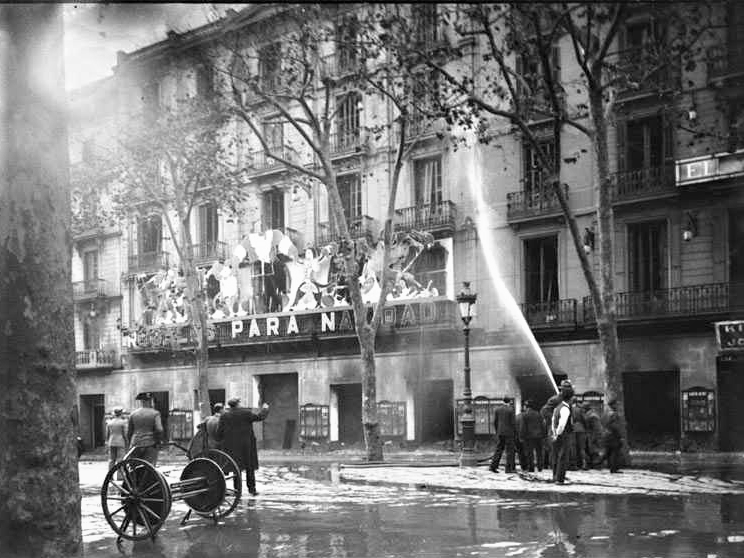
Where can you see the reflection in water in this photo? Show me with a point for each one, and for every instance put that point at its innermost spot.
(298, 516)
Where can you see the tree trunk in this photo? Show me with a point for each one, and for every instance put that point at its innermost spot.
(39, 485)
(195, 295)
(372, 440)
(605, 314)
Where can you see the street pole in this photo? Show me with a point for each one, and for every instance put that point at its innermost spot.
(467, 457)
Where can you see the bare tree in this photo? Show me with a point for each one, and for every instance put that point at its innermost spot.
(329, 61)
(515, 80)
(39, 487)
(170, 164)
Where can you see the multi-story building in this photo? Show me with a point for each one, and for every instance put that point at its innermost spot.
(678, 264)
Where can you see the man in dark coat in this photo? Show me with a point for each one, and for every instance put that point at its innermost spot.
(593, 434)
(613, 438)
(504, 422)
(532, 434)
(546, 412)
(579, 458)
(235, 433)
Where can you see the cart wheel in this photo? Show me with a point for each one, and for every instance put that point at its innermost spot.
(205, 484)
(233, 483)
(136, 499)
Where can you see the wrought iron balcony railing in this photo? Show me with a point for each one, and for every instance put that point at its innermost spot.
(541, 201)
(362, 226)
(348, 141)
(96, 358)
(643, 183)
(430, 217)
(693, 300)
(339, 64)
(646, 71)
(553, 313)
(726, 61)
(92, 288)
(259, 161)
(207, 251)
(148, 261)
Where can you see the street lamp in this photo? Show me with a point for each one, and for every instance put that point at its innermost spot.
(466, 303)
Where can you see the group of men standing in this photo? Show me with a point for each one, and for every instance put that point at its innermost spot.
(563, 434)
(230, 431)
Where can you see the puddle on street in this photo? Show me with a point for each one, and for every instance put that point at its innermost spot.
(303, 511)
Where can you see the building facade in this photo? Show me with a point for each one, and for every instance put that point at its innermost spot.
(679, 244)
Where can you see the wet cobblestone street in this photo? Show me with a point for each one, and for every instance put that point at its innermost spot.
(304, 511)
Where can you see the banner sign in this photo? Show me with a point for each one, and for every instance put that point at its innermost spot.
(430, 313)
(730, 335)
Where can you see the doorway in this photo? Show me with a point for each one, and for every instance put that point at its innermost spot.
(92, 417)
(280, 426)
(652, 409)
(349, 398)
(730, 410)
(437, 411)
(161, 402)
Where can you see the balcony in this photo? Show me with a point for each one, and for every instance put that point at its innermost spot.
(260, 163)
(147, 262)
(345, 143)
(636, 63)
(643, 184)
(92, 288)
(551, 314)
(437, 219)
(209, 251)
(362, 226)
(96, 359)
(533, 203)
(339, 65)
(695, 300)
(726, 62)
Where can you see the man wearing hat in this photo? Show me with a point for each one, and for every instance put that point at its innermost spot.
(117, 436)
(613, 436)
(235, 433)
(593, 434)
(146, 428)
(561, 429)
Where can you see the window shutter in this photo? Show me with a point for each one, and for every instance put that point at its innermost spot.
(203, 233)
(622, 251)
(667, 138)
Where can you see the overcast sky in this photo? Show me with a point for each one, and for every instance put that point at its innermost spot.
(94, 32)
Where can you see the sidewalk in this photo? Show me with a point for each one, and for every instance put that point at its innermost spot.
(437, 469)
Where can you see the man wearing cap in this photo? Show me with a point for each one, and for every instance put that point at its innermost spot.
(593, 434)
(235, 433)
(146, 428)
(117, 436)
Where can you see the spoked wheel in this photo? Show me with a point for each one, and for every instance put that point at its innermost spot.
(233, 480)
(136, 499)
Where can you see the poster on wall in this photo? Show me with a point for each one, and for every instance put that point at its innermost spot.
(698, 410)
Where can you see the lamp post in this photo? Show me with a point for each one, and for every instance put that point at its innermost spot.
(466, 303)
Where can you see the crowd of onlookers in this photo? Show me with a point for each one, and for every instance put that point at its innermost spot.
(561, 434)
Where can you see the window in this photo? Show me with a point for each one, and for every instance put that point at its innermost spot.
(90, 270)
(532, 83)
(149, 234)
(541, 269)
(208, 226)
(347, 30)
(647, 255)
(273, 133)
(151, 99)
(350, 190)
(270, 66)
(425, 30)
(427, 180)
(273, 205)
(91, 334)
(347, 123)
(534, 171)
(645, 143)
